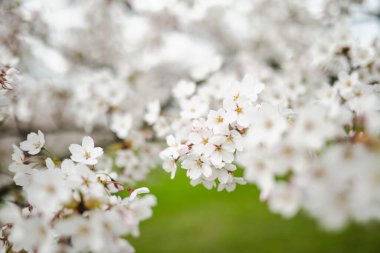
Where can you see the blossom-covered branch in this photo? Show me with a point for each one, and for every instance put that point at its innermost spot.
(71, 205)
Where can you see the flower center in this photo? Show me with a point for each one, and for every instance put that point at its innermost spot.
(358, 93)
(85, 181)
(309, 126)
(83, 230)
(288, 151)
(50, 189)
(87, 154)
(268, 124)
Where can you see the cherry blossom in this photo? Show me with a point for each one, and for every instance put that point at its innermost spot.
(70, 207)
(34, 143)
(197, 166)
(283, 95)
(87, 153)
(121, 125)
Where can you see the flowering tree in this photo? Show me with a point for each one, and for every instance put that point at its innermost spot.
(281, 94)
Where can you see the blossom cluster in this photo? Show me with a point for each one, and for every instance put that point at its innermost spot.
(72, 205)
(208, 150)
(103, 100)
(94, 81)
(305, 146)
(139, 71)
(317, 148)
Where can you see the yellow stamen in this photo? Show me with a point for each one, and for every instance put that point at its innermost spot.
(87, 154)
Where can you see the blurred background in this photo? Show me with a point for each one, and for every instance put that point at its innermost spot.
(194, 219)
(65, 44)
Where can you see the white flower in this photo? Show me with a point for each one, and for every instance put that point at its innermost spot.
(248, 88)
(184, 89)
(18, 156)
(276, 94)
(86, 153)
(216, 120)
(206, 65)
(199, 140)
(258, 169)
(176, 148)
(312, 128)
(219, 151)
(197, 166)
(19, 166)
(198, 124)
(29, 234)
(289, 157)
(47, 190)
(238, 111)
(267, 126)
(217, 85)
(71, 173)
(251, 87)
(193, 108)
(346, 83)
(121, 124)
(362, 56)
(89, 185)
(284, 199)
(10, 213)
(137, 210)
(169, 165)
(235, 138)
(126, 158)
(152, 112)
(209, 184)
(162, 127)
(80, 230)
(132, 168)
(106, 225)
(363, 99)
(34, 143)
(228, 181)
(170, 155)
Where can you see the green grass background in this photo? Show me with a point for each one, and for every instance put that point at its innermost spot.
(193, 219)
